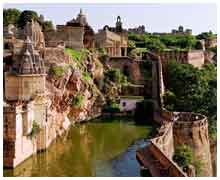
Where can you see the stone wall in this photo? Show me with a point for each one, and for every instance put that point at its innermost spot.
(128, 104)
(194, 57)
(17, 147)
(192, 129)
(178, 129)
(130, 67)
(71, 36)
(23, 87)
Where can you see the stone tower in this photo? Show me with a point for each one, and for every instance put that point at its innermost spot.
(118, 24)
(192, 129)
(28, 78)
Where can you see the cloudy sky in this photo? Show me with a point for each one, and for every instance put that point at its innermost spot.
(155, 17)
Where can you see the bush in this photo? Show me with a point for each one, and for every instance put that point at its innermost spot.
(116, 76)
(86, 76)
(11, 16)
(57, 70)
(183, 155)
(112, 107)
(193, 90)
(77, 101)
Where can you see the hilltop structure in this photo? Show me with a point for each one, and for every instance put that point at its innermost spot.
(74, 95)
(76, 34)
(139, 30)
(113, 39)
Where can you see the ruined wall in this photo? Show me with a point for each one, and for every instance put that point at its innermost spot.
(194, 57)
(72, 36)
(192, 129)
(131, 68)
(178, 129)
(23, 87)
(157, 155)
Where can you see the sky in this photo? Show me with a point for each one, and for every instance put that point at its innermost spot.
(156, 17)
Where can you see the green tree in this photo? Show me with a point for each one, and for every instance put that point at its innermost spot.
(116, 76)
(27, 16)
(193, 90)
(11, 16)
(47, 26)
(205, 35)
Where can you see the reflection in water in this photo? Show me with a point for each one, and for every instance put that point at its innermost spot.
(97, 148)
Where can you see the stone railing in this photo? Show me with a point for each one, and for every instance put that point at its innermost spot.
(173, 170)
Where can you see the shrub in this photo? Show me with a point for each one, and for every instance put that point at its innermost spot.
(86, 76)
(57, 70)
(78, 100)
(183, 155)
(116, 76)
(112, 107)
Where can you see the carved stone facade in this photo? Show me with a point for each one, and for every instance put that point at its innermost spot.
(113, 39)
(25, 102)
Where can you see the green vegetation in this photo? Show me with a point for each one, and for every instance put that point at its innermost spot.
(161, 42)
(47, 26)
(183, 155)
(78, 100)
(111, 107)
(206, 35)
(78, 56)
(57, 70)
(35, 129)
(213, 49)
(192, 90)
(86, 76)
(11, 16)
(27, 16)
(19, 19)
(116, 76)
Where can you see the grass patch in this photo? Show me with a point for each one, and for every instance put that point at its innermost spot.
(57, 70)
(78, 101)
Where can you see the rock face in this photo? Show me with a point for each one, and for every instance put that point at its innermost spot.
(63, 89)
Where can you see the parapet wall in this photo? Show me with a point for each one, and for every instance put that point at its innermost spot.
(194, 57)
(177, 129)
(192, 129)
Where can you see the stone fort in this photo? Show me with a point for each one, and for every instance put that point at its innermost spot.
(26, 100)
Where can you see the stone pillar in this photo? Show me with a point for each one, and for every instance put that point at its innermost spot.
(126, 51)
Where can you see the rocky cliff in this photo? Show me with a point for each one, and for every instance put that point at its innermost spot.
(72, 92)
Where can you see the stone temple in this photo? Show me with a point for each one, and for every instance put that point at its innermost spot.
(26, 102)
